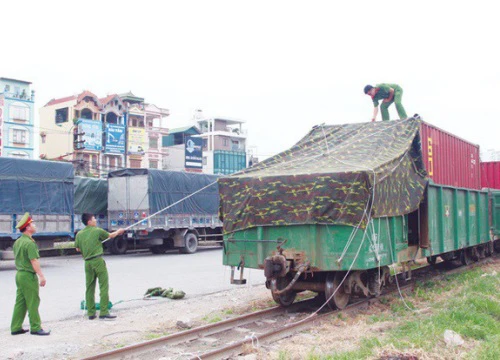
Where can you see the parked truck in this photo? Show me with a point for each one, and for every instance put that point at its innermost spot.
(43, 188)
(135, 194)
(91, 196)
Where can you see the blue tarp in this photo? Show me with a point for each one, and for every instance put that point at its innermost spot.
(167, 187)
(40, 187)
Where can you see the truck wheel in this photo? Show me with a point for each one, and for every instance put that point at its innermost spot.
(191, 244)
(119, 245)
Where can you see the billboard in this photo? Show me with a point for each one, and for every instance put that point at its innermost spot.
(115, 138)
(93, 134)
(136, 140)
(194, 153)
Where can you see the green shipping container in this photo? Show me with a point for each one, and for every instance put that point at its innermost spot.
(495, 214)
(448, 219)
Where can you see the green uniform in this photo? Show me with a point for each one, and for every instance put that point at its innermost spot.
(89, 241)
(27, 298)
(384, 93)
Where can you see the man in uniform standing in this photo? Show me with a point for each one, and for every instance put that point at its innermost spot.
(28, 267)
(89, 243)
(388, 93)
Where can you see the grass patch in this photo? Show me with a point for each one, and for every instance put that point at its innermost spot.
(212, 318)
(467, 303)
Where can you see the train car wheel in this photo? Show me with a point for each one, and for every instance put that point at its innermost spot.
(431, 260)
(285, 299)
(340, 298)
(466, 257)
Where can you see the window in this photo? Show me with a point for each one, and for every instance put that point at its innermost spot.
(19, 136)
(225, 142)
(19, 113)
(94, 162)
(135, 164)
(205, 144)
(153, 143)
(7, 88)
(153, 164)
(204, 160)
(62, 115)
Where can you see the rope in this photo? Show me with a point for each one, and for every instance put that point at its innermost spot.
(392, 258)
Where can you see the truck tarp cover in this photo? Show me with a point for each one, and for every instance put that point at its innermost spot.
(168, 187)
(91, 196)
(335, 175)
(40, 187)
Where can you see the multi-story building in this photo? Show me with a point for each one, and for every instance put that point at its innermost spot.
(17, 120)
(93, 132)
(146, 124)
(224, 145)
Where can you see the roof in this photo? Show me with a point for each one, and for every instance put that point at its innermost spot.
(228, 121)
(129, 95)
(107, 99)
(61, 100)
(183, 129)
(19, 81)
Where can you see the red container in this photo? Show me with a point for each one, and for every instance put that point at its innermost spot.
(490, 174)
(450, 160)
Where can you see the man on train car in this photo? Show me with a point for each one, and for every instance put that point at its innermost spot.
(28, 267)
(89, 242)
(388, 93)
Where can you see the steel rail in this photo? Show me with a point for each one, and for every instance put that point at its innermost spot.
(276, 334)
(196, 333)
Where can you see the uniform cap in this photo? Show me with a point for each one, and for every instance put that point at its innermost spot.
(24, 222)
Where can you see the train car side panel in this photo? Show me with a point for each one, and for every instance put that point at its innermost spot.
(325, 247)
(458, 218)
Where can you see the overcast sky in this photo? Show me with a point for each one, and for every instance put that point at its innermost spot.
(280, 66)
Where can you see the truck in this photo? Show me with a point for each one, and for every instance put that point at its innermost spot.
(185, 216)
(42, 188)
(91, 197)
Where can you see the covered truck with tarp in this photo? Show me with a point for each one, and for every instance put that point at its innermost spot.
(187, 215)
(91, 197)
(346, 199)
(45, 190)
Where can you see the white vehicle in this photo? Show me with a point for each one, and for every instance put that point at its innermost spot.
(135, 194)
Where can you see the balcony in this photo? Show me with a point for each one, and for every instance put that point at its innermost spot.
(20, 96)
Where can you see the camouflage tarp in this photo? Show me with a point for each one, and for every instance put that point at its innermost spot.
(332, 176)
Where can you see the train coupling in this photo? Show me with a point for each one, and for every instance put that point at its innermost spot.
(276, 266)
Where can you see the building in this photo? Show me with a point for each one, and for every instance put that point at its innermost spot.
(146, 125)
(224, 145)
(175, 142)
(100, 135)
(17, 120)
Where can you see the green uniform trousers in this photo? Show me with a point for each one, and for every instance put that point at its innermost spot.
(95, 269)
(27, 300)
(384, 107)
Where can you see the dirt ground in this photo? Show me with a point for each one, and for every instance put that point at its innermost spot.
(77, 337)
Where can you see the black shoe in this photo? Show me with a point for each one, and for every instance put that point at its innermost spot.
(40, 332)
(19, 332)
(92, 317)
(108, 316)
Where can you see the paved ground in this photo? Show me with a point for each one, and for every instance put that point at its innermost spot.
(130, 276)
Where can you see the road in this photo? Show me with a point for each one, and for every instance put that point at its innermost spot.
(130, 276)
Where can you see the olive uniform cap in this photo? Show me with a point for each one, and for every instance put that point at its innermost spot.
(24, 222)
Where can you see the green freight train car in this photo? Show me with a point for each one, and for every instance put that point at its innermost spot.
(332, 214)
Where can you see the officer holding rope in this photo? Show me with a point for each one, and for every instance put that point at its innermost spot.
(89, 243)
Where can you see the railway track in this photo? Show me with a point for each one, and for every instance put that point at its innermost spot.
(226, 338)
